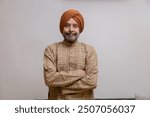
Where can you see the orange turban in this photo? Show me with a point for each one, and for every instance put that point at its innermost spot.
(71, 13)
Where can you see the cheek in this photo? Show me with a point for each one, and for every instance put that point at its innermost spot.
(77, 30)
(65, 30)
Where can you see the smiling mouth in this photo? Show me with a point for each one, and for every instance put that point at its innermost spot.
(71, 35)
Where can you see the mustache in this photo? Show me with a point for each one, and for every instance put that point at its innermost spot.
(67, 33)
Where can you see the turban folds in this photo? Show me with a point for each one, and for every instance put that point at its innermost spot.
(67, 15)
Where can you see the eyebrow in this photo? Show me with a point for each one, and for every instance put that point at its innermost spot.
(72, 24)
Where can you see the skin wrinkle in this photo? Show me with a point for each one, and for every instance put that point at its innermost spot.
(71, 31)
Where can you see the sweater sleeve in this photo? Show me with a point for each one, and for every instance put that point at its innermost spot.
(89, 81)
(58, 79)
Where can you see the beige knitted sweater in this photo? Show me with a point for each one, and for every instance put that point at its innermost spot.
(70, 71)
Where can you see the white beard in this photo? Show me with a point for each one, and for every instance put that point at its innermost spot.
(71, 38)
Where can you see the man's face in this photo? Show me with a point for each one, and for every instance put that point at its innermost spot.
(71, 31)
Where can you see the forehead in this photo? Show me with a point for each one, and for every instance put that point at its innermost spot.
(71, 21)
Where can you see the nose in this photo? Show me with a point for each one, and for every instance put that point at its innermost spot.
(71, 29)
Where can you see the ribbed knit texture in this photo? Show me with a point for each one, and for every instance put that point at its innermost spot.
(70, 71)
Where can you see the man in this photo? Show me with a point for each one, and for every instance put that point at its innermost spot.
(70, 67)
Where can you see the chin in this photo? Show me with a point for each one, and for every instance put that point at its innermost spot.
(71, 40)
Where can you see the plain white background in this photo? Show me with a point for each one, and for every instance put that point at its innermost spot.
(118, 29)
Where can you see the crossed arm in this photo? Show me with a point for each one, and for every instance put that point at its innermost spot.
(71, 81)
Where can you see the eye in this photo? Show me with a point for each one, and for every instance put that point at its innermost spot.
(67, 25)
(75, 26)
